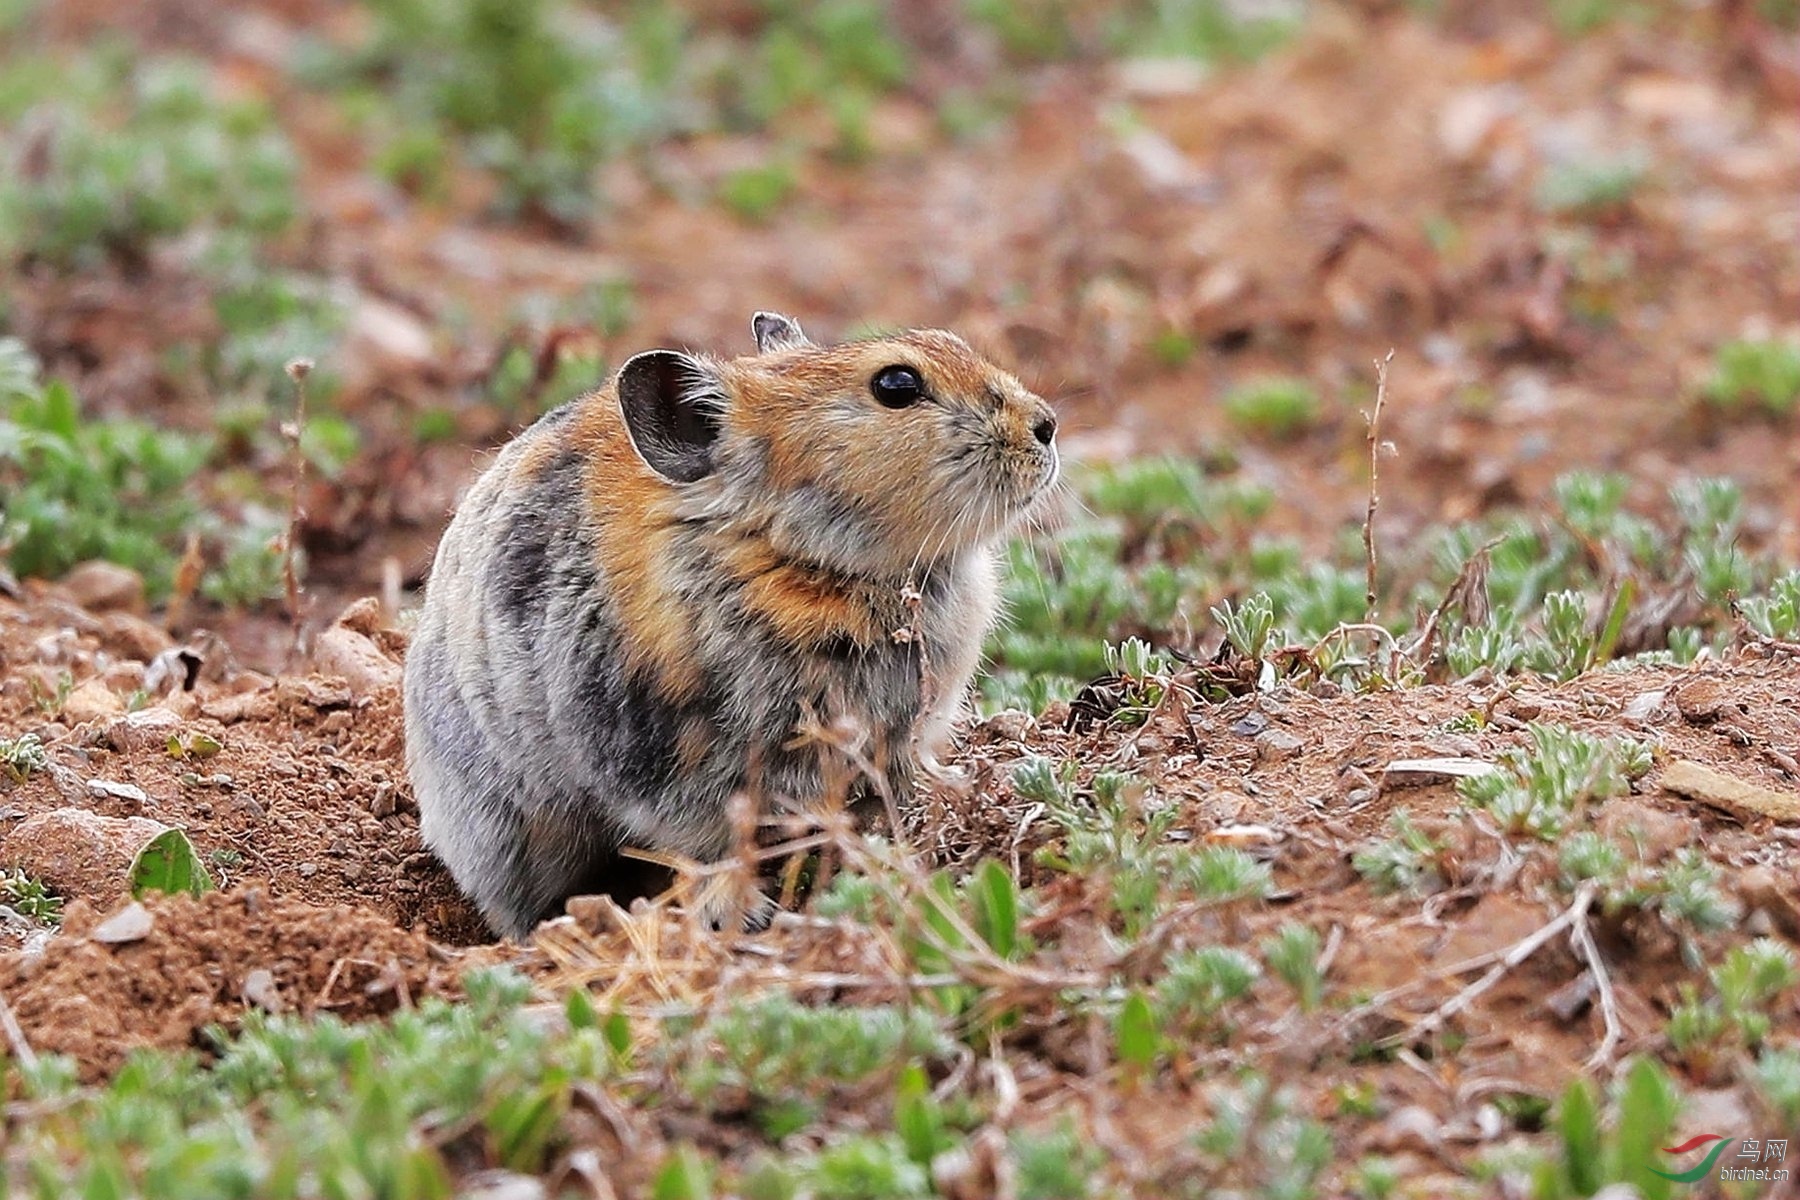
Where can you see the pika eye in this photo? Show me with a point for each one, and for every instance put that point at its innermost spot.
(897, 387)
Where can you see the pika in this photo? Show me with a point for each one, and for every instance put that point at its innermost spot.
(653, 589)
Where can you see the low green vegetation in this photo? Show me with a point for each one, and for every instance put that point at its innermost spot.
(1162, 551)
(29, 897)
(1591, 188)
(22, 755)
(1751, 375)
(73, 489)
(1209, 31)
(1275, 408)
(133, 153)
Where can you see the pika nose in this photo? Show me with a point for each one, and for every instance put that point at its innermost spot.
(1045, 429)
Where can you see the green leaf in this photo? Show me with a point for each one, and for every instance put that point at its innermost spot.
(995, 896)
(1135, 1032)
(1579, 1125)
(168, 863)
(1615, 621)
(684, 1177)
(1647, 1112)
(422, 1175)
(617, 1032)
(579, 1009)
(917, 1118)
(523, 1123)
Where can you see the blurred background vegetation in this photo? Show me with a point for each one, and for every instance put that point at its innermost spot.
(463, 212)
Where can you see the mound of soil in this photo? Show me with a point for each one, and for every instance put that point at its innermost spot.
(160, 973)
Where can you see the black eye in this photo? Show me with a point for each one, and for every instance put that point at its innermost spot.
(897, 387)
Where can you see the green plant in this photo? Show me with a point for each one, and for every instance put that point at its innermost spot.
(168, 862)
(1777, 1078)
(1590, 1156)
(1207, 30)
(836, 53)
(1053, 1165)
(1684, 894)
(787, 1056)
(754, 193)
(1260, 1140)
(1117, 830)
(251, 567)
(29, 897)
(1405, 862)
(1293, 954)
(1277, 408)
(1197, 985)
(1540, 792)
(1777, 614)
(297, 1107)
(73, 489)
(1591, 187)
(175, 157)
(22, 755)
(1745, 983)
(1755, 373)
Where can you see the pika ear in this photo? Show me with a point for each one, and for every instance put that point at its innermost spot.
(776, 332)
(673, 406)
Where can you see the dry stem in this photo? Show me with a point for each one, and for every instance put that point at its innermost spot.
(297, 370)
(1521, 950)
(1373, 421)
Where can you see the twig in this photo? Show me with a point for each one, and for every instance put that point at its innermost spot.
(297, 369)
(1520, 951)
(1373, 421)
(15, 1037)
(1583, 937)
(1457, 592)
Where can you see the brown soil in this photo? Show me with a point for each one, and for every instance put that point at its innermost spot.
(349, 914)
(203, 962)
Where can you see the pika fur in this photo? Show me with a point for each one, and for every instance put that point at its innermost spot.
(655, 586)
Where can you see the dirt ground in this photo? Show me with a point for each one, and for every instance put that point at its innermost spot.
(331, 903)
(1370, 188)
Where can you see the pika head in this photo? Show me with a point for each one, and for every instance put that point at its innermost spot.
(872, 458)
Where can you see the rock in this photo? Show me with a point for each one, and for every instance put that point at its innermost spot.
(149, 728)
(1278, 745)
(1643, 706)
(1008, 726)
(1702, 701)
(1741, 798)
(344, 652)
(123, 678)
(172, 670)
(92, 701)
(363, 616)
(501, 1185)
(383, 339)
(1423, 772)
(103, 586)
(1250, 724)
(131, 636)
(132, 923)
(107, 789)
(78, 853)
(259, 989)
(1413, 1127)
(1656, 832)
